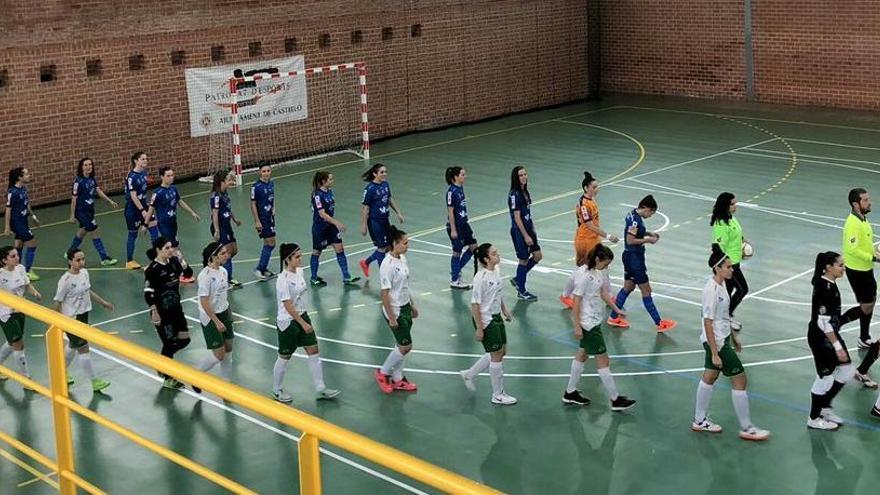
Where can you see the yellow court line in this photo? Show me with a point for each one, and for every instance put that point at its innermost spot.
(27, 467)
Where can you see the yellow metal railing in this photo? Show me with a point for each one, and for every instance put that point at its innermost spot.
(315, 430)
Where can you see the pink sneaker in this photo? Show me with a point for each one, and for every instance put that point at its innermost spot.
(405, 385)
(666, 325)
(618, 322)
(364, 267)
(384, 381)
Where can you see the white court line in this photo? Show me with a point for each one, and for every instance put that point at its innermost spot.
(815, 162)
(777, 284)
(827, 143)
(818, 157)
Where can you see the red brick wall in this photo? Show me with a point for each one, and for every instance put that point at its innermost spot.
(475, 59)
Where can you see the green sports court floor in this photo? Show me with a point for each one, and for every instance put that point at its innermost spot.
(790, 168)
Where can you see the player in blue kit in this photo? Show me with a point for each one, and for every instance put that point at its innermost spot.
(522, 231)
(136, 207)
(375, 212)
(18, 209)
(263, 209)
(326, 230)
(82, 209)
(457, 226)
(222, 219)
(163, 206)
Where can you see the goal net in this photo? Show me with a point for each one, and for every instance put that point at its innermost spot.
(280, 118)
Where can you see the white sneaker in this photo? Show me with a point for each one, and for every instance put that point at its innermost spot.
(865, 380)
(864, 344)
(754, 434)
(282, 396)
(828, 415)
(259, 275)
(459, 284)
(706, 425)
(735, 325)
(503, 399)
(821, 423)
(468, 382)
(327, 393)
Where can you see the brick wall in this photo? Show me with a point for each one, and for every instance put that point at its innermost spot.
(474, 59)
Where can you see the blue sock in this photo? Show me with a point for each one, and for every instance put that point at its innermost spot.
(343, 264)
(75, 243)
(154, 233)
(99, 246)
(531, 264)
(129, 245)
(313, 264)
(521, 272)
(377, 256)
(648, 301)
(29, 255)
(455, 266)
(265, 254)
(621, 300)
(228, 266)
(465, 258)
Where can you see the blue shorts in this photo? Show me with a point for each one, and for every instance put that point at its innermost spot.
(268, 224)
(324, 235)
(379, 232)
(634, 267)
(523, 251)
(168, 230)
(21, 231)
(86, 220)
(227, 236)
(133, 218)
(465, 237)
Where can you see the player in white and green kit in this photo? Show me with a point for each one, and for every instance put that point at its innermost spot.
(73, 298)
(215, 316)
(14, 279)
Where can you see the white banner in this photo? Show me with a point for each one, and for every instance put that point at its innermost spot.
(260, 103)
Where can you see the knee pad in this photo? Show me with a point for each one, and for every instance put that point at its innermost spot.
(843, 373)
(821, 385)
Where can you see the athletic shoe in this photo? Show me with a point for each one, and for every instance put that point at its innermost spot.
(172, 383)
(350, 281)
(459, 284)
(706, 425)
(196, 389)
(821, 423)
(828, 415)
(130, 265)
(527, 296)
(865, 380)
(365, 267)
(259, 275)
(404, 385)
(99, 384)
(736, 325)
(618, 322)
(187, 280)
(69, 380)
(875, 411)
(864, 344)
(268, 274)
(567, 301)
(515, 286)
(503, 399)
(575, 397)
(468, 382)
(327, 394)
(32, 276)
(384, 381)
(622, 403)
(235, 284)
(317, 282)
(666, 325)
(282, 396)
(754, 434)
(108, 261)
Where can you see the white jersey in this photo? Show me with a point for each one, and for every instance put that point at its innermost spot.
(290, 286)
(394, 277)
(213, 284)
(73, 293)
(716, 307)
(589, 284)
(15, 281)
(487, 293)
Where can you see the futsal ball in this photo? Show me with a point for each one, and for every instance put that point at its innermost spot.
(748, 250)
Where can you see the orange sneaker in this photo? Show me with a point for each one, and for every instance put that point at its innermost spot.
(618, 322)
(365, 267)
(405, 385)
(568, 302)
(666, 325)
(384, 381)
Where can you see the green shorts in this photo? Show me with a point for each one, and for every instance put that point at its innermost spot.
(593, 343)
(404, 324)
(294, 336)
(730, 363)
(494, 335)
(13, 328)
(213, 338)
(75, 341)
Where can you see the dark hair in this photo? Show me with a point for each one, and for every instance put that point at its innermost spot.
(285, 251)
(210, 251)
(822, 260)
(72, 252)
(588, 179)
(135, 156)
(81, 164)
(855, 195)
(395, 234)
(219, 178)
(319, 177)
(481, 254)
(648, 202)
(599, 253)
(4, 252)
(716, 257)
(514, 180)
(158, 243)
(163, 169)
(721, 209)
(370, 174)
(452, 173)
(14, 175)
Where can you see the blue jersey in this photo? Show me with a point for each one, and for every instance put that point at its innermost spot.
(634, 225)
(263, 195)
(322, 200)
(17, 202)
(85, 189)
(520, 201)
(137, 182)
(164, 201)
(455, 199)
(377, 197)
(223, 204)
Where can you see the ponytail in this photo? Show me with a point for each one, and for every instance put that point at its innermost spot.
(822, 260)
(588, 179)
(599, 253)
(481, 254)
(395, 235)
(452, 173)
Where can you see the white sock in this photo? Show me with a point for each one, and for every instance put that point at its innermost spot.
(741, 406)
(226, 366)
(317, 372)
(569, 285)
(5, 351)
(22, 362)
(394, 358)
(608, 382)
(704, 396)
(69, 355)
(577, 368)
(208, 362)
(397, 372)
(877, 404)
(496, 373)
(278, 372)
(479, 366)
(86, 362)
